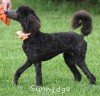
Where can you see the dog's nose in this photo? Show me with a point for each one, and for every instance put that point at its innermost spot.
(6, 12)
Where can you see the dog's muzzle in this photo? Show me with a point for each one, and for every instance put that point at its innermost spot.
(11, 14)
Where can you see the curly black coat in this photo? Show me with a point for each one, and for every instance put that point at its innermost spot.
(43, 46)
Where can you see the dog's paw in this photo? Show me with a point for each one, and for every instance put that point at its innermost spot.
(15, 80)
(78, 77)
(93, 80)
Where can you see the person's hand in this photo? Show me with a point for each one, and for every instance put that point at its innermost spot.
(6, 4)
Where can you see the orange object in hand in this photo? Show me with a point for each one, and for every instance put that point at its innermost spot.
(22, 35)
(3, 17)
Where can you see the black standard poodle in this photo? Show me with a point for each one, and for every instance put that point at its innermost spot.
(43, 46)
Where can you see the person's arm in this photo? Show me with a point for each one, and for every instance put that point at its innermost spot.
(6, 4)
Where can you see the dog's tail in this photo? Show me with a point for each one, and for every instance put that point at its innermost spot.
(82, 18)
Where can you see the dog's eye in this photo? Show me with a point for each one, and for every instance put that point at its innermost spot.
(21, 10)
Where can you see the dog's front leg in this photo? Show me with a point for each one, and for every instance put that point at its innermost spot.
(26, 65)
(38, 73)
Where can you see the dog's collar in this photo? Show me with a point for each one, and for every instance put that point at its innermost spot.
(22, 35)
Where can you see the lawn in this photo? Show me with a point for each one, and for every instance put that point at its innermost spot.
(57, 78)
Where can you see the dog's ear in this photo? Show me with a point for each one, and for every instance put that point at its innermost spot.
(34, 20)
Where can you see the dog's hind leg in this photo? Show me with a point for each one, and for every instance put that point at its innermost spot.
(68, 57)
(27, 64)
(38, 73)
(84, 68)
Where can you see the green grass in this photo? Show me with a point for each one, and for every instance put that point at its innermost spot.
(55, 72)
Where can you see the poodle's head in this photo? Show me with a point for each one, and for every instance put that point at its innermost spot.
(26, 17)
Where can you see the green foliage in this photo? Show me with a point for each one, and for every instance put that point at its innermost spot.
(91, 1)
(65, 6)
(54, 18)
